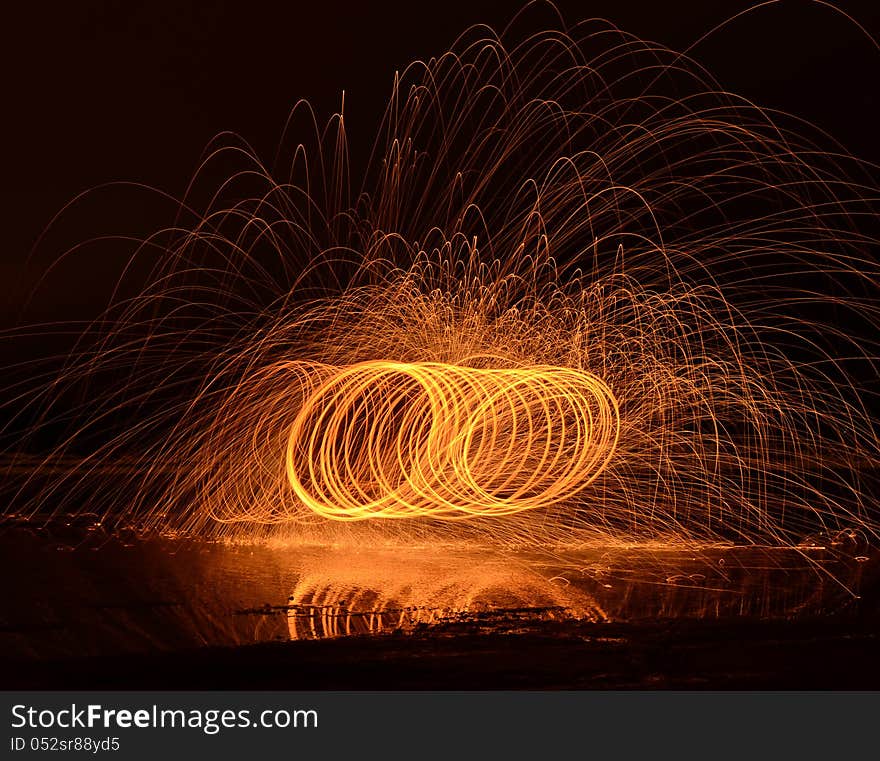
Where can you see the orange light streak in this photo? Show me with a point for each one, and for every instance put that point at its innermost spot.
(403, 440)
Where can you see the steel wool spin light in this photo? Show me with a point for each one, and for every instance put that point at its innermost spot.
(578, 293)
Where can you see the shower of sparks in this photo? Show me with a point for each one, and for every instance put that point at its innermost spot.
(579, 294)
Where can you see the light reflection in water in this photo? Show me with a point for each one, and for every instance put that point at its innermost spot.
(382, 592)
(76, 593)
(340, 594)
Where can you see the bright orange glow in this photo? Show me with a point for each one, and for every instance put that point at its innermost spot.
(403, 440)
(575, 294)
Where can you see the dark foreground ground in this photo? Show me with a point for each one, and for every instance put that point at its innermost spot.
(89, 611)
(663, 655)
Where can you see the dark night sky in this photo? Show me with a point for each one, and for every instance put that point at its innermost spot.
(98, 90)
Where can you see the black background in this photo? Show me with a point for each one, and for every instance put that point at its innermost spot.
(100, 90)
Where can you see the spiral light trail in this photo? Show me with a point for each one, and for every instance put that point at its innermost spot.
(394, 440)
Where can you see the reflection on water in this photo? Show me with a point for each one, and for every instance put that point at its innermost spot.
(75, 592)
(327, 621)
(343, 595)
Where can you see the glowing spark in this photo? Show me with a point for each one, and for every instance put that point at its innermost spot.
(579, 294)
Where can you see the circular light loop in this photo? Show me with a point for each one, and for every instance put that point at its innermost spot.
(406, 440)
